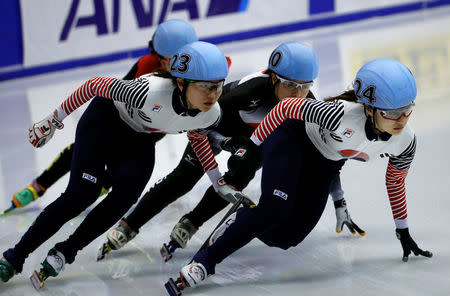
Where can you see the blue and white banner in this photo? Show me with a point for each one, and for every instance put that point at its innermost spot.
(56, 31)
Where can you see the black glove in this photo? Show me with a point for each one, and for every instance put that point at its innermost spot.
(408, 245)
(232, 144)
(343, 218)
(245, 160)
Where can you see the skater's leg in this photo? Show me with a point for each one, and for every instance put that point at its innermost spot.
(82, 190)
(130, 173)
(180, 181)
(211, 202)
(59, 167)
(282, 163)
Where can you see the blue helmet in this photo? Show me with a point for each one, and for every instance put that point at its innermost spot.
(171, 35)
(294, 60)
(385, 84)
(199, 60)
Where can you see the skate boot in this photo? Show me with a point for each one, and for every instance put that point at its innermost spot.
(190, 276)
(52, 266)
(6, 270)
(116, 239)
(181, 234)
(27, 195)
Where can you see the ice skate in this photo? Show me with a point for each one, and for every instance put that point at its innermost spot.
(190, 276)
(181, 234)
(116, 239)
(6, 270)
(52, 266)
(26, 195)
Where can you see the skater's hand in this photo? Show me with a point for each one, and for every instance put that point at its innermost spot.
(231, 194)
(41, 132)
(343, 218)
(409, 245)
(245, 160)
(232, 144)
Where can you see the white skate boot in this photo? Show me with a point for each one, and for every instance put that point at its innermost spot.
(116, 239)
(53, 264)
(190, 276)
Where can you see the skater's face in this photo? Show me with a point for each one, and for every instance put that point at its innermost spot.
(391, 121)
(202, 95)
(286, 88)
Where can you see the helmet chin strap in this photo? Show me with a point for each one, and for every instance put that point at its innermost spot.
(380, 133)
(184, 103)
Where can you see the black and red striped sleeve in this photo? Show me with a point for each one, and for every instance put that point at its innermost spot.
(326, 114)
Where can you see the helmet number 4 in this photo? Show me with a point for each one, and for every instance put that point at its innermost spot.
(368, 93)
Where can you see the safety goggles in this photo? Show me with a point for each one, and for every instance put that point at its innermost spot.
(395, 114)
(291, 85)
(207, 86)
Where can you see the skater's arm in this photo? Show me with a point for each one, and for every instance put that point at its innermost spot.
(132, 92)
(200, 143)
(396, 173)
(326, 114)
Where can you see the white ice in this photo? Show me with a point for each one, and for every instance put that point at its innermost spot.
(326, 263)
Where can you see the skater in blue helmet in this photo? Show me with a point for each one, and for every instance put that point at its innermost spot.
(119, 130)
(168, 37)
(303, 139)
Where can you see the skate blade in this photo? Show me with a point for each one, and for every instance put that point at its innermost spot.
(165, 253)
(36, 280)
(172, 288)
(103, 251)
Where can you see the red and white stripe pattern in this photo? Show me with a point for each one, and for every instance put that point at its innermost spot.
(202, 148)
(395, 184)
(97, 86)
(325, 114)
(288, 108)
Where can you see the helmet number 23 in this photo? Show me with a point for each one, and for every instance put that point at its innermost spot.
(368, 93)
(180, 63)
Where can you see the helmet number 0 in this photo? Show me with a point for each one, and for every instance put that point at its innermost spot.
(183, 64)
(368, 93)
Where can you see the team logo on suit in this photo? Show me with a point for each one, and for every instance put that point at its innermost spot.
(90, 178)
(280, 193)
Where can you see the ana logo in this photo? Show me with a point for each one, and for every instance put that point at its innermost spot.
(156, 108)
(280, 194)
(90, 178)
(146, 14)
(348, 133)
(240, 152)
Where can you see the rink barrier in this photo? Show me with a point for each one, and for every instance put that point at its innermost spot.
(14, 51)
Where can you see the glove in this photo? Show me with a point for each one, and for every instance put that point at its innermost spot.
(343, 218)
(41, 132)
(408, 245)
(245, 160)
(231, 194)
(232, 144)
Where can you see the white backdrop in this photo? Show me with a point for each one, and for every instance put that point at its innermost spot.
(64, 30)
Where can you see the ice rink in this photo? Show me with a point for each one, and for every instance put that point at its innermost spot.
(326, 263)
